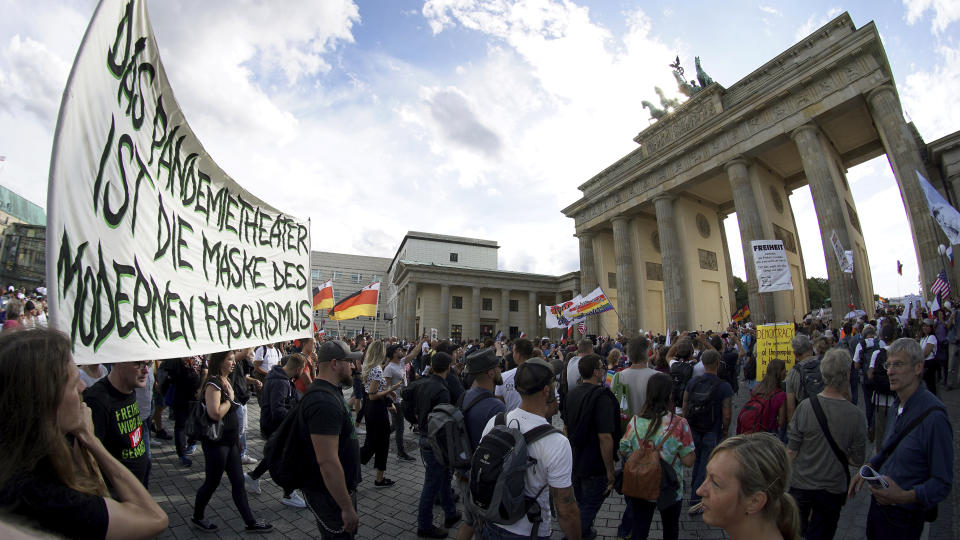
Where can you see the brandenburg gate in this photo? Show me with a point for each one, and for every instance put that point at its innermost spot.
(650, 226)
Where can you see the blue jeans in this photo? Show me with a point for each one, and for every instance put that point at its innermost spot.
(436, 479)
(493, 532)
(854, 384)
(242, 419)
(704, 442)
(590, 493)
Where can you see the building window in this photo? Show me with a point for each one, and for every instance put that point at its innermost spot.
(335, 275)
(514, 305)
(357, 278)
(457, 302)
(514, 332)
(456, 332)
(316, 274)
(612, 280)
(487, 304)
(418, 302)
(454, 257)
(375, 277)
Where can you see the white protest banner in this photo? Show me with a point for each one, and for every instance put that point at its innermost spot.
(559, 316)
(153, 251)
(943, 212)
(772, 267)
(848, 262)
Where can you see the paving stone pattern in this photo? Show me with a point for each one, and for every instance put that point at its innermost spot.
(391, 512)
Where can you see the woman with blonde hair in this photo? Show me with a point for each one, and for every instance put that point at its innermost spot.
(377, 442)
(50, 460)
(745, 492)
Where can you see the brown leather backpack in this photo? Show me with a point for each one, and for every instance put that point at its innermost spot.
(641, 472)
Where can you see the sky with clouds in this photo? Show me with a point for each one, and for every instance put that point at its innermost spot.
(472, 118)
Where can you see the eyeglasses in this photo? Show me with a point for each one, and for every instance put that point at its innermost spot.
(894, 365)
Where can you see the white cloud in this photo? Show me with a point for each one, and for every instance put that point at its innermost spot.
(945, 12)
(814, 22)
(935, 86)
(31, 77)
(770, 10)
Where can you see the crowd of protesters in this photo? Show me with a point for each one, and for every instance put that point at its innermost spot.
(590, 411)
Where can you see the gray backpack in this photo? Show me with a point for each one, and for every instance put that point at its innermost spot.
(497, 474)
(447, 434)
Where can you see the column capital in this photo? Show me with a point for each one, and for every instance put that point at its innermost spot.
(882, 89)
(809, 127)
(735, 162)
(665, 196)
(583, 235)
(620, 218)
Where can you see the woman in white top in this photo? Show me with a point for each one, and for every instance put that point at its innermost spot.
(377, 417)
(928, 342)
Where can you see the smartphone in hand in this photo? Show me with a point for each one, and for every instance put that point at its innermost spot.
(873, 477)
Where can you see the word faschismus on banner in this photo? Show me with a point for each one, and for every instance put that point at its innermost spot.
(152, 250)
(773, 269)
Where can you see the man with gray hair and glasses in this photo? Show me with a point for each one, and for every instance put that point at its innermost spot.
(915, 466)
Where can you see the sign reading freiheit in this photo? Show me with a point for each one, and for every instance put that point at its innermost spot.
(772, 267)
(152, 250)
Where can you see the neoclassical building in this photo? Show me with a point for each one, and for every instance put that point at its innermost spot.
(453, 285)
(650, 226)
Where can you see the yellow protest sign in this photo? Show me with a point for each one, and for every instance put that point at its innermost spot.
(773, 343)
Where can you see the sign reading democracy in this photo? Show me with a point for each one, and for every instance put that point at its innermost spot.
(152, 250)
(772, 267)
(773, 343)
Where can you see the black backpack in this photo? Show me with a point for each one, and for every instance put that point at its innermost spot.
(866, 352)
(447, 433)
(680, 373)
(288, 451)
(881, 381)
(701, 405)
(811, 381)
(408, 400)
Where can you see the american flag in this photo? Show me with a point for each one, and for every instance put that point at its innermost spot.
(941, 287)
(582, 327)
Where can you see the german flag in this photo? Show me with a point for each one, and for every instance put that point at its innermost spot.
(323, 296)
(742, 313)
(362, 303)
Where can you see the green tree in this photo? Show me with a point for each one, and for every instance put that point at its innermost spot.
(818, 290)
(740, 291)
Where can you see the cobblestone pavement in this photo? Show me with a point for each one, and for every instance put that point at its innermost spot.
(392, 512)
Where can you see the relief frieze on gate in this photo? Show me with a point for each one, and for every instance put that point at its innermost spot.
(829, 81)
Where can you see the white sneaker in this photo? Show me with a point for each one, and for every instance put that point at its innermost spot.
(294, 500)
(247, 460)
(253, 485)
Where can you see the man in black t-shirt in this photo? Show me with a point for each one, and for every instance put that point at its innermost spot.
(116, 415)
(330, 485)
(592, 420)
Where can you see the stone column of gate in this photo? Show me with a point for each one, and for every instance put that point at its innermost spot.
(905, 160)
(751, 228)
(588, 274)
(444, 330)
(505, 312)
(830, 215)
(675, 294)
(399, 318)
(731, 295)
(627, 305)
(474, 331)
(412, 310)
(533, 329)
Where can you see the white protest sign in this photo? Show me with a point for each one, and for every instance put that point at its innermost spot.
(772, 267)
(153, 251)
(560, 315)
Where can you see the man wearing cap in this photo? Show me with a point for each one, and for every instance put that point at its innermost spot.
(330, 483)
(436, 477)
(535, 381)
(479, 405)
